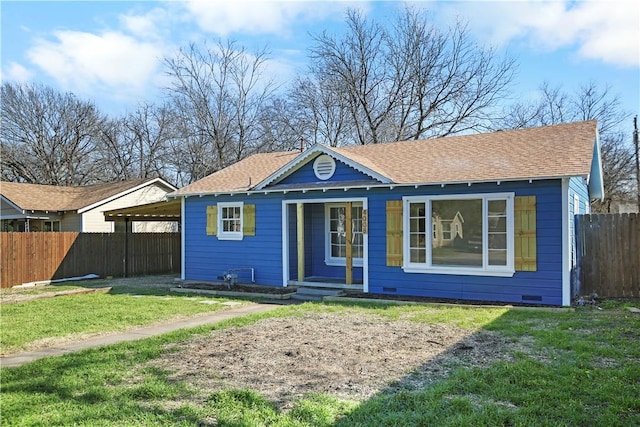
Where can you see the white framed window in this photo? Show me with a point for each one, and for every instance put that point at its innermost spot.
(230, 221)
(470, 234)
(446, 230)
(335, 232)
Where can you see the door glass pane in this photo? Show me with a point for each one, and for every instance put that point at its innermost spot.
(337, 232)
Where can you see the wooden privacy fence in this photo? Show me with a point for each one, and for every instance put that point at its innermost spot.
(31, 257)
(608, 255)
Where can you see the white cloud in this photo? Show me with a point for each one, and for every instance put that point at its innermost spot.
(16, 72)
(148, 25)
(259, 17)
(80, 61)
(608, 31)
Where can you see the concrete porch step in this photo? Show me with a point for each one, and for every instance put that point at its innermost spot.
(315, 294)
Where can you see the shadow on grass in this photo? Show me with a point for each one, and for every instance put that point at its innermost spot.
(558, 369)
(95, 387)
(158, 285)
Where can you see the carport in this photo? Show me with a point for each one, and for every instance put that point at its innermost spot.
(167, 210)
(158, 211)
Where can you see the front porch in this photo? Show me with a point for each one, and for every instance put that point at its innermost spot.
(325, 244)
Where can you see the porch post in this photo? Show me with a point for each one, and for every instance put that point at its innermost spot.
(300, 232)
(348, 238)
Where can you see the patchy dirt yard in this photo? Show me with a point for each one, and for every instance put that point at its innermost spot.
(352, 356)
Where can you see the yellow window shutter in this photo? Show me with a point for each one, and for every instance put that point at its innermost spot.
(212, 220)
(394, 233)
(249, 220)
(525, 233)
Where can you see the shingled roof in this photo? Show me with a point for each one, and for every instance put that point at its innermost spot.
(556, 151)
(36, 197)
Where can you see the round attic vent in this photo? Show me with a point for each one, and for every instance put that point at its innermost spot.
(324, 167)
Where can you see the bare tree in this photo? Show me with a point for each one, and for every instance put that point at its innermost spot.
(138, 144)
(589, 102)
(48, 137)
(317, 114)
(409, 81)
(116, 159)
(279, 127)
(220, 92)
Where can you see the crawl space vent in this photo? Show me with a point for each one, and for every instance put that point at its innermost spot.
(324, 167)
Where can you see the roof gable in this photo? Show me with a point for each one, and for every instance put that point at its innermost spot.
(307, 157)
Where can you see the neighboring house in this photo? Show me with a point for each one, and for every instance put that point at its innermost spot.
(34, 207)
(446, 231)
(362, 217)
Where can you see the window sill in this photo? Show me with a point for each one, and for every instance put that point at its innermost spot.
(357, 262)
(230, 236)
(459, 271)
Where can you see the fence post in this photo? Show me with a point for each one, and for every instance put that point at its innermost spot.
(126, 247)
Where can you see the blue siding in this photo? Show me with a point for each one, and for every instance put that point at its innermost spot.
(545, 283)
(578, 192)
(207, 257)
(343, 173)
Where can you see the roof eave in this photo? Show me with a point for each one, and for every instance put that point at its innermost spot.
(390, 185)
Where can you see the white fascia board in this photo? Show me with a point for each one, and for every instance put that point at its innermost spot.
(13, 205)
(566, 244)
(595, 180)
(359, 167)
(290, 167)
(306, 156)
(125, 192)
(183, 227)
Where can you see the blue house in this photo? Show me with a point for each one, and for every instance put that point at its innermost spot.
(371, 217)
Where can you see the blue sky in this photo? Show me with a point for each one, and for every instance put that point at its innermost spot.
(111, 52)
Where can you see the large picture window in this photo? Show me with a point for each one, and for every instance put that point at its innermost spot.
(470, 234)
(336, 244)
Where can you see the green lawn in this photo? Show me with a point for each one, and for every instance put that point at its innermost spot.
(585, 371)
(34, 323)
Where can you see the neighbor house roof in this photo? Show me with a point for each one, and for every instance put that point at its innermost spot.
(535, 153)
(36, 197)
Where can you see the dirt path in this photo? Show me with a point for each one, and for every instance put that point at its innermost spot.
(348, 355)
